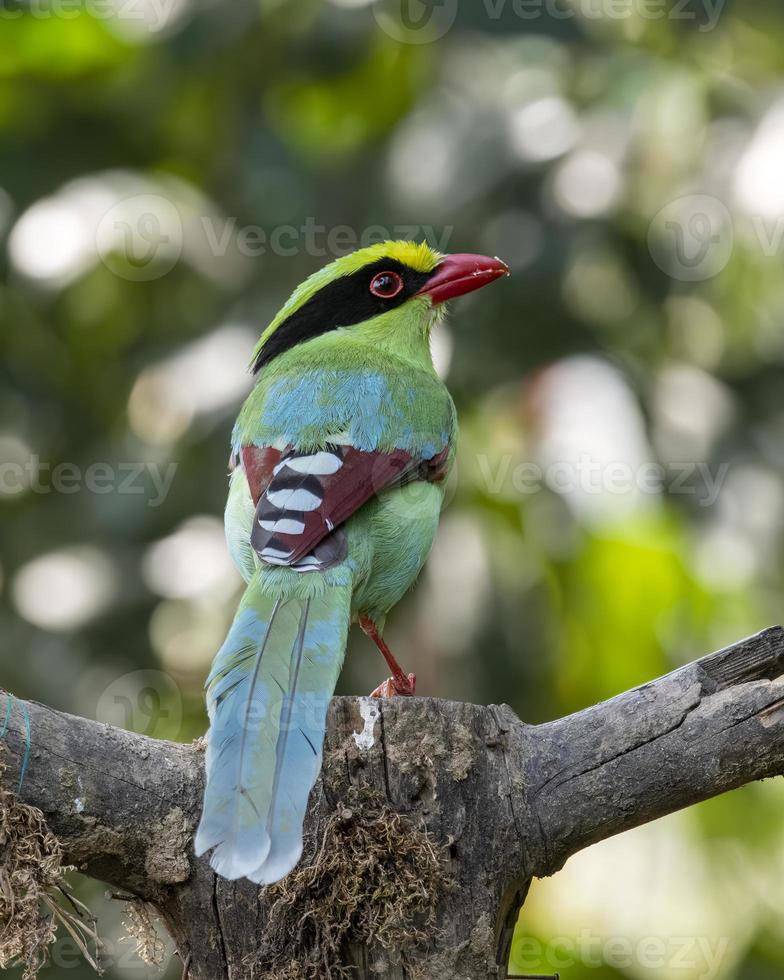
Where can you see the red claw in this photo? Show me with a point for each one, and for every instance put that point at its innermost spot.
(392, 688)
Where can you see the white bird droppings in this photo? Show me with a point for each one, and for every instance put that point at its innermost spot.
(79, 802)
(369, 709)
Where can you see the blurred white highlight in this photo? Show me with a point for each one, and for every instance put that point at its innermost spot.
(190, 562)
(586, 184)
(691, 410)
(53, 240)
(457, 583)
(65, 589)
(204, 377)
(585, 409)
(543, 129)
(758, 183)
(441, 349)
(138, 226)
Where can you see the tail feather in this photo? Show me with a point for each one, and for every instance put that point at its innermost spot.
(268, 694)
(314, 673)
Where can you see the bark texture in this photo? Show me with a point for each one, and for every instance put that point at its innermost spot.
(452, 807)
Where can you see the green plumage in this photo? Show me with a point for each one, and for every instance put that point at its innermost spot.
(375, 385)
(369, 389)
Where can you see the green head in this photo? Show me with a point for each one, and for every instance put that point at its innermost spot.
(385, 292)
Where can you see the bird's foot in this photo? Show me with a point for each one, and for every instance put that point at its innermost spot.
(393, 687)
(398, 685)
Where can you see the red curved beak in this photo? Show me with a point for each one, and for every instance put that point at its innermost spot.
(462, 273)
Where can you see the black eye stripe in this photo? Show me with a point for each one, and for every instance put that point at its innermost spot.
(341, 303)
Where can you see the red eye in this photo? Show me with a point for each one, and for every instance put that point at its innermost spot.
(386, 285)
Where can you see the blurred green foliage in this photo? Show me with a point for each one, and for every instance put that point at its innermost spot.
(170, 171)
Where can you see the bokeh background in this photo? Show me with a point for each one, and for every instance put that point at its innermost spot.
(171, 169)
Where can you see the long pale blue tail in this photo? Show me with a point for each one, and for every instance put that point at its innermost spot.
(267, 696)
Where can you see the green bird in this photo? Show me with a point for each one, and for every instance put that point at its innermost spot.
(339, 460)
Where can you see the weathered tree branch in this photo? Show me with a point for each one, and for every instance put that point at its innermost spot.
(506, 801)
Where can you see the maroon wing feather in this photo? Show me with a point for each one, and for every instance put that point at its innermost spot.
(308, 495)
(258, 463)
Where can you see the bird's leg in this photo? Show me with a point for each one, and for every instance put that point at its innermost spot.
(398, 683)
